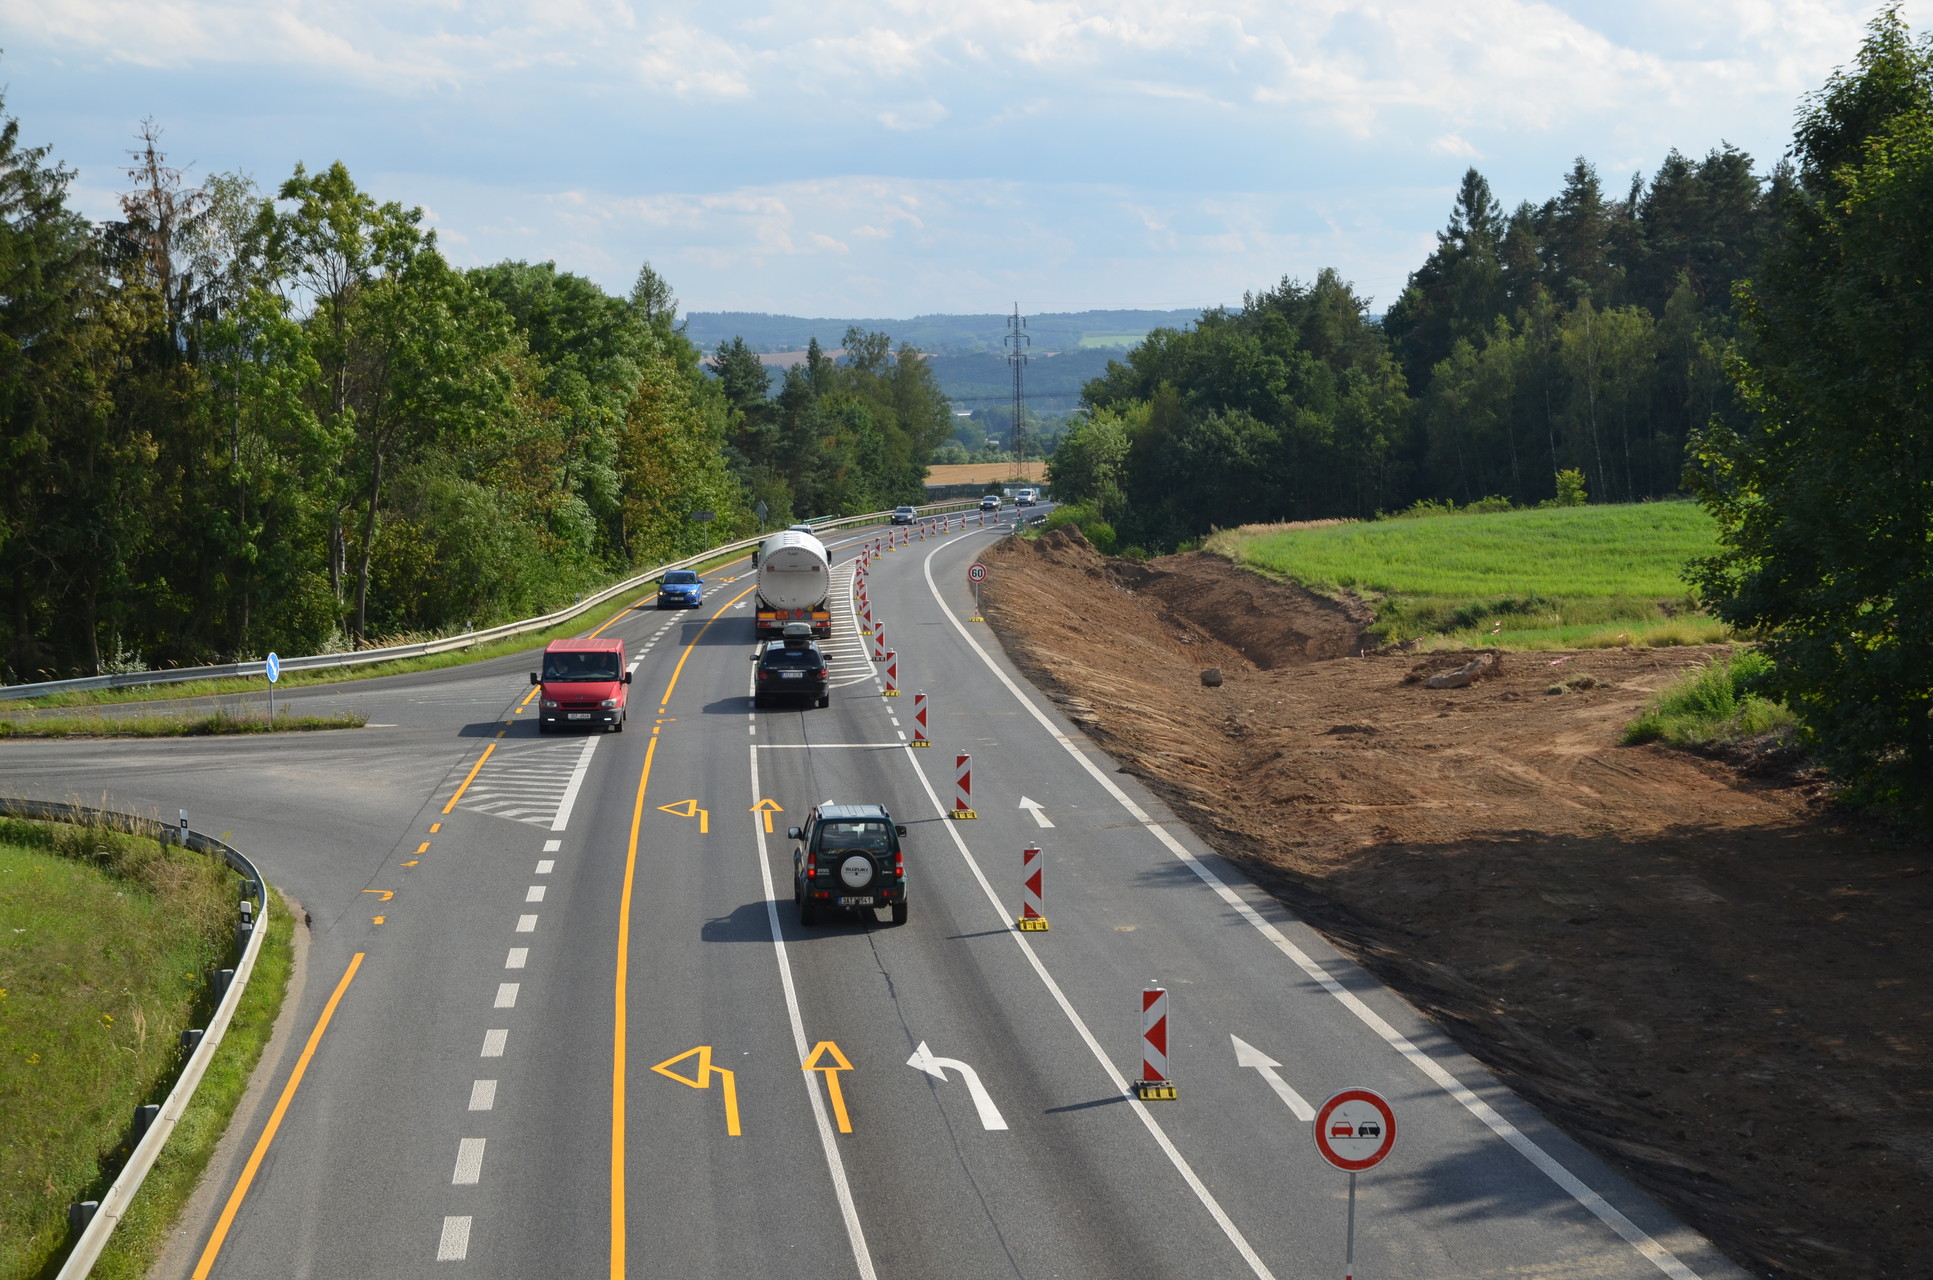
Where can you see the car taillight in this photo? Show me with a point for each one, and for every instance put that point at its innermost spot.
(823, 673)
(763, 674)
(899, 864)
(811, 864)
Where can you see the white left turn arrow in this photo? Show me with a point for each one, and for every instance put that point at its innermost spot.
(923, 1060)
(1247, 1055)
(1033, 807)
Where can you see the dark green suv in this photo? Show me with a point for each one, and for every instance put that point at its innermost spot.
(848, 858)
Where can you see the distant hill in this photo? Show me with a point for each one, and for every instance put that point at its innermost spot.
(938, 334)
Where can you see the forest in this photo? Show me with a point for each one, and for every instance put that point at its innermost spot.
(235, 420)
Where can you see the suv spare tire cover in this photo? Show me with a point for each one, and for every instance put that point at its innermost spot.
(856, 870)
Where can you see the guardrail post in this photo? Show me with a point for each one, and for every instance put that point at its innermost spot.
(222, 978)
(144, 1117)
(191, 1039)
(79, 1215)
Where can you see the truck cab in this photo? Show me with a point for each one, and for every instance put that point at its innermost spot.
(583, 684)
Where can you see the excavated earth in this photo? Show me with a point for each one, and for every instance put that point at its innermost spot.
(1700, 968)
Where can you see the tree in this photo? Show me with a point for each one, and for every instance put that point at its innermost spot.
(1826, 526)
(651, 294)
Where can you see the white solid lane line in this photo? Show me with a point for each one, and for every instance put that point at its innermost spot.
(1641, 1240)
(835, 1164)
(562, 820)
(517, 959)
(483, 1095)
(535, 893)
(493, 1043)
(469, 1163)
(455, 1244)
(506, 995)
(526, 924)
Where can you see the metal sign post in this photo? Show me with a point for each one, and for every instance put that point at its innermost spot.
(1354, 1130)
(274, 667)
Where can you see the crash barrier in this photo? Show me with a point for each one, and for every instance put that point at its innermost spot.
(1032, 917)
(326, 661)
(94, 1221)
(919, 720)
(1154, 1082)
(963, 788)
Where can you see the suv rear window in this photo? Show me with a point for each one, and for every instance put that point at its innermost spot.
(875, 836)
(791, 658)
(580, 666)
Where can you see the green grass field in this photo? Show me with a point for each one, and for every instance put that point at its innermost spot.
(107, 942)
(1569, 577)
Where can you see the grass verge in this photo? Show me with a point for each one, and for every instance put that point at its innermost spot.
(144, 1231)
(107, 944)
(180, 725)
(1715, 704)
(1567, 577)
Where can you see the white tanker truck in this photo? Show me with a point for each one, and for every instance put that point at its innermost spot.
(793, 578)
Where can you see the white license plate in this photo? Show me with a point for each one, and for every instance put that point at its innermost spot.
(866, 901)
(577, 715)
(791, 675)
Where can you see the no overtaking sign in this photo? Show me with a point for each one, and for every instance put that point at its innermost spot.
(1355, 1129)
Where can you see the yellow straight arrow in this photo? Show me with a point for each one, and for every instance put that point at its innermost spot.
(766, 808)
(705, 1072)
(832, 1070)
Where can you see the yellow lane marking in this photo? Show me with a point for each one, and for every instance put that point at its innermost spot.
(679, 669)
(387, 893)
(534, 691)
(765, 809)
(617, 1033)
(832, 1070)
(410, 863)
(472, 778)
(435, 827)
(705, 1072)
(423, 847)
(690, 809)
(377, 919)
(227, 1218)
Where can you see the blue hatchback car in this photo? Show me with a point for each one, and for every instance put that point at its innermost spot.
(680, 589)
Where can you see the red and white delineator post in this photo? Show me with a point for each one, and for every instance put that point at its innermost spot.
(879, 641)
(866, 612)
(919, 720)
(1154, 1084)
(1031, 920)
(892, 674)
(963, 788)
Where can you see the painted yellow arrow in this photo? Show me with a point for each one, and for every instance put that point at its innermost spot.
(765, 809)
(705, 1072)
(832, 1070)
(690, 809)
(387, 894)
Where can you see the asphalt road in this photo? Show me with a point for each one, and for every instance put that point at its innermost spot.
(565, 1021)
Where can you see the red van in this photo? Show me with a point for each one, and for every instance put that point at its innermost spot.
(583, 683)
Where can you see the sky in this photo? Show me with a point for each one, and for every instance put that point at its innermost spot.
(904, 157)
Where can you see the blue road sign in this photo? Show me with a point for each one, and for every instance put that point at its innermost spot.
(274, 668)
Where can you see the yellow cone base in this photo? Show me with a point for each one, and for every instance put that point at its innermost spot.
(919, 742)
(890, 693)
(963, 813)
(1154, 1091)
(976, 618)
(1036, 925)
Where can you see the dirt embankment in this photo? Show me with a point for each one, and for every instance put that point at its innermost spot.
(1713, 980)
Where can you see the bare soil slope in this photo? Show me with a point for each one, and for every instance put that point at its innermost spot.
(1713, 980)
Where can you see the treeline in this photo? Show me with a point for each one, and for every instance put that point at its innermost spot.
(234, 421)
(1588, 333)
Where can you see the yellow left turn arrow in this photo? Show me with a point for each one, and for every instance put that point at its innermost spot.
(704, 1074)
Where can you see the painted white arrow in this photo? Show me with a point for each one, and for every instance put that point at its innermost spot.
(923, 1060)
(1247, 1055)
(1033, 807)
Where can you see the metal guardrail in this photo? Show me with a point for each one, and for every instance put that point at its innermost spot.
(325, 661)
(107, 1214)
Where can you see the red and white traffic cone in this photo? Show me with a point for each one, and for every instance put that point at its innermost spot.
(919, 720)
(1031, 918)
(892, 674)
(963, 788)
(1154, 1084)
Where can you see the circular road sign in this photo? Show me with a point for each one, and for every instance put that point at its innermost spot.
(274, 668)
(978, 573)
(1355, 1129)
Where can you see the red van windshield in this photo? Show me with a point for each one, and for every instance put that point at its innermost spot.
(580, 666)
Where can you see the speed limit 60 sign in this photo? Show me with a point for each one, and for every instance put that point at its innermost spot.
(977, 573)
(1355, 1129)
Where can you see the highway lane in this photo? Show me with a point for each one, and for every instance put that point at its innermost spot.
(387, 1163)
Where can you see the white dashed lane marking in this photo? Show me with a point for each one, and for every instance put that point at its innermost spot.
(455, 1244)
(506, 995)
(535, 893)
(518, 957)
(469, 1163)
(493, 1044)
(526, 924)
(483, 1095)
(544, 866)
